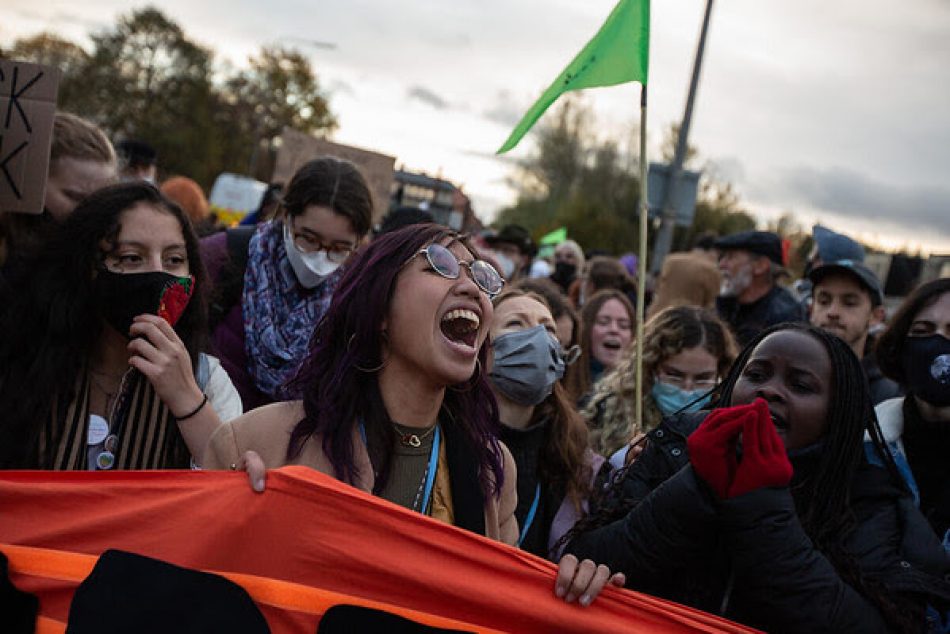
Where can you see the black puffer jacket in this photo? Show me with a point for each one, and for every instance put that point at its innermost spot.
(749, 559)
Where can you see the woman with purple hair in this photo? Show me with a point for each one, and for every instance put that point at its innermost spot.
(395, 398)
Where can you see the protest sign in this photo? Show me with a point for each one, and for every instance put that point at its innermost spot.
(27, 108)
(296, 148)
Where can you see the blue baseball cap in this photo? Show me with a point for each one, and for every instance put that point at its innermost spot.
(863, 274)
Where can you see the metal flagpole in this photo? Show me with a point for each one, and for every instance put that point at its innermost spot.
(642, 260)
(664, 238)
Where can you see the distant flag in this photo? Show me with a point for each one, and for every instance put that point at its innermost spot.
(555, 237)
(620, 52)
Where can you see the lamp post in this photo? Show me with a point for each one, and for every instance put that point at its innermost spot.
(664, 239)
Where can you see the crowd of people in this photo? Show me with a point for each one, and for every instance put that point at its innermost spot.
(787, 471)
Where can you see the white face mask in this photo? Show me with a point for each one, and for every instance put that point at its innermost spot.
(506, 264)
(311, 269)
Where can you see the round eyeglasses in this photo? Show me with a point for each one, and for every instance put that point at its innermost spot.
(444, 262)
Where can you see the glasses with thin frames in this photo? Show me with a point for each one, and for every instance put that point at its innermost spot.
(310, 244)
(444, 262)
(685, 382)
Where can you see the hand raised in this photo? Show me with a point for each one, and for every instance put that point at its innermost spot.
(712, 447)
(764, 458)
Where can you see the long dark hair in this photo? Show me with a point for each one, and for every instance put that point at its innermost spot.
(823, 498)
(890, 345)
(563, 461)
(51, 322)
(338, 393)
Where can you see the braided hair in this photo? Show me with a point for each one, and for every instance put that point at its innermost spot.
(823, 499)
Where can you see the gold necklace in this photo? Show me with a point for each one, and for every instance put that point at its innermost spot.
(412, 439)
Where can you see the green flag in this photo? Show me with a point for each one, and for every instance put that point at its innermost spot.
(555, 238)
(620, 52)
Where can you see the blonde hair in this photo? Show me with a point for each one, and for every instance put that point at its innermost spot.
(77, 138)
(610, 411)
(576, 249)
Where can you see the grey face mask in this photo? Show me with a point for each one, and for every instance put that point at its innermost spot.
(527, 364)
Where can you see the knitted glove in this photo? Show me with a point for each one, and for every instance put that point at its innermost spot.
(712, 447)
(764, 459)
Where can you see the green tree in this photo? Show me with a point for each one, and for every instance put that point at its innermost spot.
(668, 147)
(574, 180)
(144, 78)
(51, 50)
(147, 80)
(278, 90)
(718, 207)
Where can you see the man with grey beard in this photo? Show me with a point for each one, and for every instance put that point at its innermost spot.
(749, 299)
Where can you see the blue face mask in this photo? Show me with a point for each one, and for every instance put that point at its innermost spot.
(671, 399)
(527, 364)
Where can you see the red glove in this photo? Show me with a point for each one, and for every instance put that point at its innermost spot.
(712, 447)
(764, 459)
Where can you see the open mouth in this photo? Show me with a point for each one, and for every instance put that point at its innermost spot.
(612, 344)
(461, 326)
(780, 423)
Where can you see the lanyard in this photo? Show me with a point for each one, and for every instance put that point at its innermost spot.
(430, 473)
(529, 519)
(433, 466)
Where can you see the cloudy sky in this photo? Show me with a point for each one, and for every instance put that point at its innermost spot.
(836, 111)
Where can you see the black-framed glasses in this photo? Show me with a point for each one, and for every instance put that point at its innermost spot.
(444, 262)
(309, 243)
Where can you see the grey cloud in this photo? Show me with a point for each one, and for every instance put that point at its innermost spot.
(842, 191)
(60, 18)
(428, 97)
(341, 87)
(504, 111)
(726, 168)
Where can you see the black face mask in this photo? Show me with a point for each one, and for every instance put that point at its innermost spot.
(926, 363)
(564, 273)
(124, 296)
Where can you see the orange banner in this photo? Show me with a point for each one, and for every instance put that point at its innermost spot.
(307, 543)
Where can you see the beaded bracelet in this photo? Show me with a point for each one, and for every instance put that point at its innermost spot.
(190, 414)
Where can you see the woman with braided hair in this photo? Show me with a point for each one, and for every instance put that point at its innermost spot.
(766, 509)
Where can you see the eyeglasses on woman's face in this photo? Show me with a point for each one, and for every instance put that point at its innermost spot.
(686, 380)
(306, 241)
(446, 264)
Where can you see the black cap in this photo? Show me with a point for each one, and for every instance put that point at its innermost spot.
(136, 153)
(863, 274)
(516, 235)
(759, 242)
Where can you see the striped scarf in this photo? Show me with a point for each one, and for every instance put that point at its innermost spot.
(148, 434)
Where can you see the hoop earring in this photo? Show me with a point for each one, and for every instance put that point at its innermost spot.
(470, 384)
(349, 344)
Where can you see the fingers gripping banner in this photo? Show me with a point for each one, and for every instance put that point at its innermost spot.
(307, 543)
